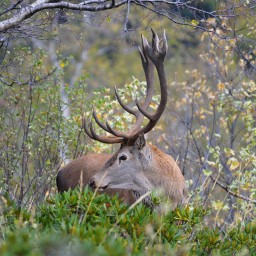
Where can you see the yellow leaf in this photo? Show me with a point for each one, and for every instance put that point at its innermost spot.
(229, 152)
(221, 86)
(213, 164)
(211, 21)
(198, 94)
(194, 22)
(233, 163)
(217, 205)
(204, 129)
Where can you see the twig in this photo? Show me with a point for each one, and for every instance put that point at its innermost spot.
(232, 193)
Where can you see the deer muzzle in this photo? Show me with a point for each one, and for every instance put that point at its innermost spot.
(93, 185)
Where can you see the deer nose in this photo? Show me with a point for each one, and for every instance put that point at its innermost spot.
(92, 184)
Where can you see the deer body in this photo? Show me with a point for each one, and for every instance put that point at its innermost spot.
(80, 171)
(137, 167)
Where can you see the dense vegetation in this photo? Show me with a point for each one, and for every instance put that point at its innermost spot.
(48, 88)
(80, 223)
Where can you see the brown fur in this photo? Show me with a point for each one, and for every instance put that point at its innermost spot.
(164, 173)
(144, 169)
(82, 169)
(169, 176)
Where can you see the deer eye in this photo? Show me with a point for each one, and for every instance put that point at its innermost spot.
(122, 158)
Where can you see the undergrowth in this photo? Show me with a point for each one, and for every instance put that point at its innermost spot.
(80, 223)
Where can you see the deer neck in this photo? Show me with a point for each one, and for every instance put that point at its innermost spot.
(147, 200)
(146, 185)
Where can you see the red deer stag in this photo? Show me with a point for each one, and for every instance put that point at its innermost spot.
(137, 167)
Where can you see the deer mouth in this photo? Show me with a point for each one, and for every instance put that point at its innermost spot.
(94, 185)
(103, 188)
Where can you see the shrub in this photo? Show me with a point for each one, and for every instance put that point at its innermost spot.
(79, 222)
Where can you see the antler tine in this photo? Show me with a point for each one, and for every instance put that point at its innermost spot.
(143, 112)
(155, 41)
(149, 74)
(92, 134)
(87, 130)
(126, 108)
(164, 40)
(104, 139)
(108, 128)
(117, 133)
(104, 127)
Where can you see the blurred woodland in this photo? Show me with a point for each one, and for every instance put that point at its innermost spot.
(60, 61)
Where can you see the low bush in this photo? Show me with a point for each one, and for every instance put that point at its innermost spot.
(81, 223)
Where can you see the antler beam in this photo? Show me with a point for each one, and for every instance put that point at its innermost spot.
(150, 56)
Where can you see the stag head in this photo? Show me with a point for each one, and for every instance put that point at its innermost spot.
(125, 169)
(134, 166)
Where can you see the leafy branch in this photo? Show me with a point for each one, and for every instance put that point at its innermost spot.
(226, 188)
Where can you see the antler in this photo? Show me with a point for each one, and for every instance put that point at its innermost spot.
(150, 56)
(157, 55)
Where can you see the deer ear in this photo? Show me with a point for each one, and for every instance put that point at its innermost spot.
(140, 142)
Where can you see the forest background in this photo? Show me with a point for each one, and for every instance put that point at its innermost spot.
(58, 59)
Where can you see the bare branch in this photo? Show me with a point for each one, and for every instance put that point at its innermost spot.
(127, 15)
(226, 188)
(40, 5)
(11, 7)
(165, 8)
